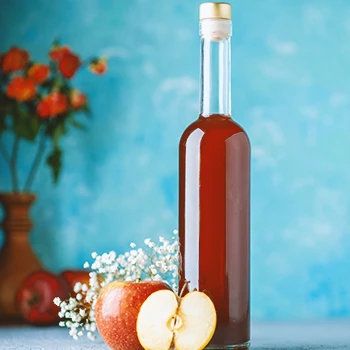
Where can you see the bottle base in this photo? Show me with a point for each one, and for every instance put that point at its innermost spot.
(243, 346)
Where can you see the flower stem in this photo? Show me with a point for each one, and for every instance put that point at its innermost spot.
(13, 164)
(4, 152)
(37, 159)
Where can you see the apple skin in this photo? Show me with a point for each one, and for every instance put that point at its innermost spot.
(116, 312)
(74, 276)
(35, 298)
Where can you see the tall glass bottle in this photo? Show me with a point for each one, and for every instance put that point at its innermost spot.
(214, 197)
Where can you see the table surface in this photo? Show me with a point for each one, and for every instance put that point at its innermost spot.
(271, 336)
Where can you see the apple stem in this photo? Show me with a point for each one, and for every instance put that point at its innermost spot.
(183, 288)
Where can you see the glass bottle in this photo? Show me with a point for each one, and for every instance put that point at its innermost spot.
(214, 190)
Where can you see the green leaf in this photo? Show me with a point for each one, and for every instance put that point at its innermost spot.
(57, 132)
(3, 125)
(25, 124)
(56, 42)
(48, 83)
(54, 161)
(77, 124)
(86, 109)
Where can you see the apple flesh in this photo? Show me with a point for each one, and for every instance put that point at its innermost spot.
(35, 298)
(117, 308)
(166, 321)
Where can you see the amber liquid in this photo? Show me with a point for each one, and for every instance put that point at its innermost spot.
(214, 221)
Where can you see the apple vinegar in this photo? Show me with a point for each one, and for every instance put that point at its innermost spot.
(214, 190)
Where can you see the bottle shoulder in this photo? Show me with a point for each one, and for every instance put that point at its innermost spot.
(220, 127)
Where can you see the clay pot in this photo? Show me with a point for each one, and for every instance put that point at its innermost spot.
(17, 259)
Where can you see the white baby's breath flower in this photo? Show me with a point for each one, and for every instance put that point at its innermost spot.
(86, 265)
(57, 301)
(77, 287)
(112, 255)
(157, 277)
(73, 331)
(156, 261)
(82, 312)
(91, 336)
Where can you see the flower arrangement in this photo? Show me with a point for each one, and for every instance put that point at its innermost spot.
(156, 262)
(38, 102)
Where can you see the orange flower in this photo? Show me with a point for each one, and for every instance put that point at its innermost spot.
(57, 52)
(69, 64)
(98, 66)
(51, 105)
(15, 59)
(21, 89)
(39, 72)
(77, 99)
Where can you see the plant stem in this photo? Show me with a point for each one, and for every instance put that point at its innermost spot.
(37, 159)
(4, 152)
(13, 164)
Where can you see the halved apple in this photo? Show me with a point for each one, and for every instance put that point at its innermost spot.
(166, 321)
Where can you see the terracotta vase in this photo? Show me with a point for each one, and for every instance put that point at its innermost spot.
(17, 259)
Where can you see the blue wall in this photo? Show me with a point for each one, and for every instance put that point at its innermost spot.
(291, 91)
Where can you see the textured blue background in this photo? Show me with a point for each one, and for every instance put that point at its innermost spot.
(291, 91)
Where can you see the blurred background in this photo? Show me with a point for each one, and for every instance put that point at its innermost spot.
(290, 91)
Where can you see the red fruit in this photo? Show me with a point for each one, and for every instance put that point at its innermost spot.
(74, 276)
(39, 72)
(52, 105)
(57, 52)
(35, 298)
(77, 99)
(21, 89)
(98, 66)
(15, 59)
(117, 309)
(69, 64)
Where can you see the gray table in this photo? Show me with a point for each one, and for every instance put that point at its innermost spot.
(283, 336)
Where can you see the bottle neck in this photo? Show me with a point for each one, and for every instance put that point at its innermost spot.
(215, 73)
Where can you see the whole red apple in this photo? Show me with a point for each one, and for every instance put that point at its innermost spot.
(116, 312)
(35, 298)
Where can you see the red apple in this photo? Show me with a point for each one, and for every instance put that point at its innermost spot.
(35, 298)
(74, 276)
(117, 309)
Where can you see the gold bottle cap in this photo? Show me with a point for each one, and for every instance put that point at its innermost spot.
(215, 10)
